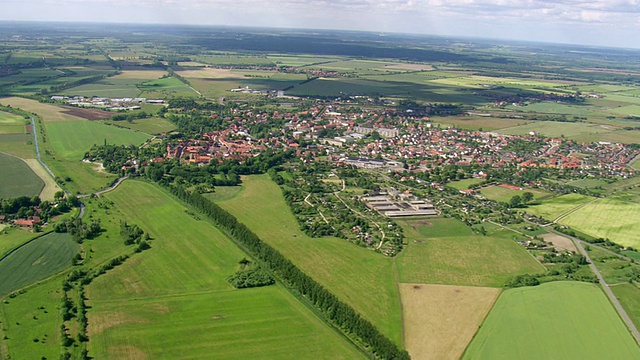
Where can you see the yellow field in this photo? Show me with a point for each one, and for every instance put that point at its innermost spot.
(48, 112)
(210, 73)
(50, 186)
(441, 320)
(140, 74)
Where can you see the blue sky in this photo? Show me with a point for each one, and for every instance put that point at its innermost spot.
(592, 22)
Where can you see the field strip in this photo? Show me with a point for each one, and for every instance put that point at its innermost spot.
(573, 210)
(441, 320)
(50, 186)
(161, 296)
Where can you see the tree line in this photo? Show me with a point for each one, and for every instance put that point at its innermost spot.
(337, 312)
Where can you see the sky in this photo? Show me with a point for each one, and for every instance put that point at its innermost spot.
(589, 22)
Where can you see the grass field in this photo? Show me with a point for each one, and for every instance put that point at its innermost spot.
(50, 186)
(478, 122)
(575, 131)
(174, 298)
(29, 317)
(629, 296)
(464, 184)
(49, 113)
(440, 320)
(445, 251)
(166, 88)
(608, 218)
(148, 126)
(502, 194)
(358, 276)
(36, 261)
(558, 320)
(12, 237)
(223, 193)
(71, 140)
(552, 208)
(17, 178)
(12, 124)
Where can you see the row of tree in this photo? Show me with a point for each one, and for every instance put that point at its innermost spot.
(336, 311)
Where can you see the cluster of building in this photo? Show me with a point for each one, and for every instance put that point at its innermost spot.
(111, 104)
(393, 204)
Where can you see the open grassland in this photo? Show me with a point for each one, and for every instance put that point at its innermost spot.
(49, 113)
(72, 140)
(503, 194)
(174, 299)
(12, 237)
(147, 126)
(608, 218)
(629, 296)
(264, 323)
(84, 176)
(17, 178)
(166, 88)
(440, 320)
(222, 193)
(558, 320)
(551, 209)
(445, 251)
(35, 261)
(357, 276)
(31, 323)
(20, 145)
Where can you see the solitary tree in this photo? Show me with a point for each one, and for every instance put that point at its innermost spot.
(527, 197)
(515, 201)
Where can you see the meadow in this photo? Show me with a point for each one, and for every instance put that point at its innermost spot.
(72, 140)
(12, 124)
(629, 296)
(464, 184)
(147, 126)
(17, 178)
(166, 88)
(480, 123)
(553, 321)
(35, 261)
(609, 218)
(357, 276)
(31, 323)
(503, 194)
(552, 208)
(579, 131)
(445, 251)
(440, 320)
(174, 297)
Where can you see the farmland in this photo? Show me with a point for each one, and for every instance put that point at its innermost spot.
(445, 251)
(17, 178)
(72, 140)
(608, 218)
(440, 320)
(12, 124)
(345, 269)
(135, 306)
(36, 261)
(551, 209)
(514, 330)
(575, 131)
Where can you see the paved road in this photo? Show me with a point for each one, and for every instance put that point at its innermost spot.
(614, 300)
(115, 185)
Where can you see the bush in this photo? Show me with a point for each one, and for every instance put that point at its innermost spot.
(254, 277)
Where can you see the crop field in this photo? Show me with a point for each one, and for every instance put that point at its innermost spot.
(343, 268)
(17, 178)
(503, 194)
(110, 87)
(36, 261)
(551, 209)
(12, 124)
(19, 145)
(548, 107)
(481, 123)
(445, 251)
(175, 296)
(608, 218)
(49, 113)
(71, 140)
(31, 323)
(166, 88)
(440, 320)
(12, 237)
(553, 321)
(587, 183)
(576, 131)
(147, 126)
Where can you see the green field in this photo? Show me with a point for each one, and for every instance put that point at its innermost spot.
(148, 126)
(464, 184)
(629, 296)
(72, 140)
(609, 218)
(502, 194)
(559, 320)
(17, 179)
(36, 261)
(31, 323)
(222, 193)
(551, 209)
(175, 298)
(166, 88)
(576, 131)
(446, 251)
(12, 124)
(360, 277)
